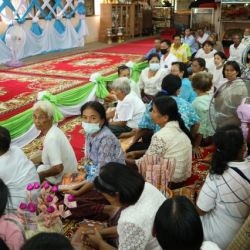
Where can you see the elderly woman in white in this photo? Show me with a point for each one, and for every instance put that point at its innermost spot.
(129, 110)
(58, 156)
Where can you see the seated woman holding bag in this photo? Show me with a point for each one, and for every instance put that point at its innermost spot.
(172, 141)
(224, 200)
(101, 147)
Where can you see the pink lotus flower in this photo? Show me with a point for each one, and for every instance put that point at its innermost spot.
(23, 206)
(50, 209)
(32, 207)
(30, 187)
(49, 198)
(46, 185)
(54, 189)
(71, 198)
(36, 185)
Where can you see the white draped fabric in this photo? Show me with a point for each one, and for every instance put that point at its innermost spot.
(50, 38)
(4, 52)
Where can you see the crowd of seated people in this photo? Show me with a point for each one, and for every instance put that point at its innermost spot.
(189, 97)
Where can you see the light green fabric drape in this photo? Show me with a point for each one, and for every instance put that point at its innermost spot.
(21, 123)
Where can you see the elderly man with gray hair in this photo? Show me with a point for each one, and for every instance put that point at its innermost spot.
(129, 110)
(58, 156)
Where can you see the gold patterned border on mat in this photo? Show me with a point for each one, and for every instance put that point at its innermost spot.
(84, 63)
(36, 84)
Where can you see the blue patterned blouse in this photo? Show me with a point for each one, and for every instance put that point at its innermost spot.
(100, 150)
(186, 110)
(187, 92)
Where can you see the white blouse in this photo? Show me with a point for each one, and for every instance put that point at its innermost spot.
(218, 78)
(171, 142)
(135, 225)
(130, 109)
(209, 58)
(151, 85)
(226, 199)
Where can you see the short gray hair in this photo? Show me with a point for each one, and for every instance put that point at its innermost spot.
(46, 107)
(122, 84)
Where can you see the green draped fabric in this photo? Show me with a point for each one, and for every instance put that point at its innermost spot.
(58, 116)
(74, 96)
(136, 70)
(102, 81)
(18, 124)
(21, 123)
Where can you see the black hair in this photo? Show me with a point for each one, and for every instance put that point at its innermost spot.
(176, 35)
(221, 55)
(229, 141)
(5, 195)
(168, 42)
(237, 34)
(48, 241)
(118, 178)
(171, 83)
(3, 245)
(166, 105)
(5, 139)
(121, 68)
(208, 43)
(178, 226)
(153, 55)
(201, 62)
(235, 65)
(98, 107)
(182, 67)
(248, 60)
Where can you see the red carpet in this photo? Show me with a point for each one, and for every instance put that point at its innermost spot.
(137, 47)
(19, 86)
(19, 92)
(77, 66)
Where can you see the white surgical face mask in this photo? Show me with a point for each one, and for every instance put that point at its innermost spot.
(90, 128)
(154, 66)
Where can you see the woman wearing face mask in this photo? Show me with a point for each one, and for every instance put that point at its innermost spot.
(219, 60)
(151, 78)
(101, 147)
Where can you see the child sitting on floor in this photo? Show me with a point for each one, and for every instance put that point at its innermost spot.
(202, 83)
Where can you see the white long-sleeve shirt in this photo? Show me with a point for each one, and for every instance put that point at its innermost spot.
(236, 53)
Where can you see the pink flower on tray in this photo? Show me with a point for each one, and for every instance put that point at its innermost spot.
(49, 198)
(46, 185)
(71, 198)
(30, 187)
(50, 209)
(36, 185)
(23, 206)
(32, 207)
(54, 189)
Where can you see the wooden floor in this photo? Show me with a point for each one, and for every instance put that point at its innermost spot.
(88, 47)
